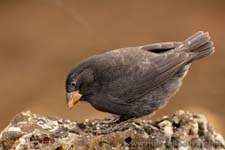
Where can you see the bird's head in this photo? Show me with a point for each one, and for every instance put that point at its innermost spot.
(78, 85)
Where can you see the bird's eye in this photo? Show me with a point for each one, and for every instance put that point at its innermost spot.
(73, 83)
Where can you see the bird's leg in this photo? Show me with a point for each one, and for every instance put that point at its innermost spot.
(124, 118)
(117, 123)
(113, 120)
(117, 119)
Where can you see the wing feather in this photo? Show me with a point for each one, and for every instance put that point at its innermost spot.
(161, 47)
(141, 77)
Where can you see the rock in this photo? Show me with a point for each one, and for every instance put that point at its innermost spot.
(181, 131)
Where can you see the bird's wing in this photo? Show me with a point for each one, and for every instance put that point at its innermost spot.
(160, 47)
(141, 74)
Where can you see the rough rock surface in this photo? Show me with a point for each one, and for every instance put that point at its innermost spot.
(183, 131)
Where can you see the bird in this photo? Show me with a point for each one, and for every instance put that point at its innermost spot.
(136, 81)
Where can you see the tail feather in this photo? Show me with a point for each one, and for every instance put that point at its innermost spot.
(199, 45)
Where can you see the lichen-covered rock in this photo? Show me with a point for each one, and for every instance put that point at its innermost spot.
(183, 131)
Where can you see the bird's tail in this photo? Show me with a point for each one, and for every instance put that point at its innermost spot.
(199, 45)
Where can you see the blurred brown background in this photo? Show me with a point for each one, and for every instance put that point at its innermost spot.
(41, 40)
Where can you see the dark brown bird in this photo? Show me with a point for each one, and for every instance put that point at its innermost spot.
(135, 81)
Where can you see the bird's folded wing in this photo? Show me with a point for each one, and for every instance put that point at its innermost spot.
(166, 65)
(162, 67)
(161, 47)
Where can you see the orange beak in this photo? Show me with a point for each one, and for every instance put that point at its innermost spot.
(73, 98)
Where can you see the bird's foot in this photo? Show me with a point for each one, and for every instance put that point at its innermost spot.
(112, 125)
(117, 119)
(112, 120)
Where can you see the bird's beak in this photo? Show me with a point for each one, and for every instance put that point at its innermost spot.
(72, 98)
